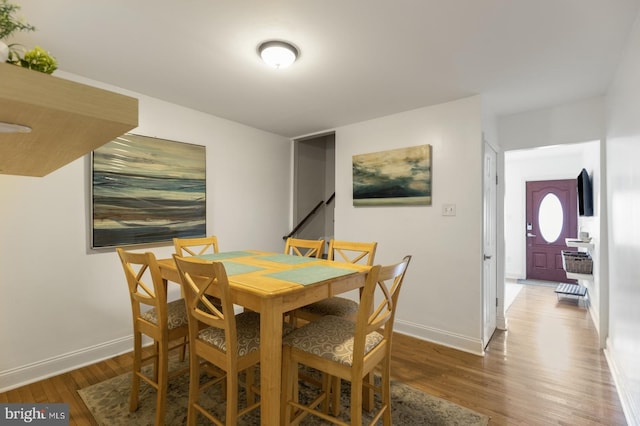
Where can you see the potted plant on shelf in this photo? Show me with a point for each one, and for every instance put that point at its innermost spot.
(37, 58)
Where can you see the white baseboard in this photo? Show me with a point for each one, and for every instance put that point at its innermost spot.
(502, 322)
(630, 405)
(441, 337)
(29, 373)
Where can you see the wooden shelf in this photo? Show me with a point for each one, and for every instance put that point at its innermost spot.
(577, 243)
(68, 120)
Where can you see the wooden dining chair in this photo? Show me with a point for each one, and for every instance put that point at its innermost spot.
(341, 251)
(195, 246)
(218, 337)
(301, 247)
(349, 350)
(165, 322)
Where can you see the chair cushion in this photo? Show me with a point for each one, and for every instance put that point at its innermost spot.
(247, 330)
(176, 314)
(329, 337)
(337, 306)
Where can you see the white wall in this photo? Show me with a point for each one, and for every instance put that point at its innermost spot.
(63, 305)
(441, 299)
(623, 204)
(579, 121)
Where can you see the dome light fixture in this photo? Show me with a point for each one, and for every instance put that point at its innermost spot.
(278, 54)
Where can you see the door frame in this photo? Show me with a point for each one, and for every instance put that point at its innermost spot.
(319, 186)
(489, 237)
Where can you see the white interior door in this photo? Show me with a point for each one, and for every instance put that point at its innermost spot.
(489, 279)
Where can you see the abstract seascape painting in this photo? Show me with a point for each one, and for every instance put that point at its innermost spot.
(393, 178)
(147, 190)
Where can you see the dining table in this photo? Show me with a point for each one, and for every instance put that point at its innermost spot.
(273, 284)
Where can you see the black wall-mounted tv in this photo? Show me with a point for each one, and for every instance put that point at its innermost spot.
(585, 194)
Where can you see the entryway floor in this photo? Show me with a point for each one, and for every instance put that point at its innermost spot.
(511, 290)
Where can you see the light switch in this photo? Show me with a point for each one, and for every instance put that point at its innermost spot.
(448, 210)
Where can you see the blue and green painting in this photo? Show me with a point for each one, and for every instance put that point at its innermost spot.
(147, 190)
(396, 177)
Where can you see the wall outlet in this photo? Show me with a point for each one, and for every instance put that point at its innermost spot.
(448, 210)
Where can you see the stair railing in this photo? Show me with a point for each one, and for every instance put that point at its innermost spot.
(309, 215)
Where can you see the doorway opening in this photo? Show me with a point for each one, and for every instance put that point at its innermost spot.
(559, 162)
(313, 187)
(552, 163)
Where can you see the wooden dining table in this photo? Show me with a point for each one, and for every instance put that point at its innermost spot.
(274, 284)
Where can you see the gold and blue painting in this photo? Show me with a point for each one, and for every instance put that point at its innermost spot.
(147, 190)
(398, 177)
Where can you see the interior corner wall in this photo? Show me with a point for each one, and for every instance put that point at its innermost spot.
(623, 211)
(63, 305)
(441, 299)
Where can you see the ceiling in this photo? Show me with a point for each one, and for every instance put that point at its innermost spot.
(360, 59)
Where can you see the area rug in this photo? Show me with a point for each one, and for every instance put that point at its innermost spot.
(108, 402)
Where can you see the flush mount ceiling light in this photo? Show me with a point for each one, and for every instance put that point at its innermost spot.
(278, 54)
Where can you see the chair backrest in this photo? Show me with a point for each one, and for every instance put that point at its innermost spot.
(145, 283)
(352, 252)
(198, 277)
(195, 246)
(308, 248)
(385, 283)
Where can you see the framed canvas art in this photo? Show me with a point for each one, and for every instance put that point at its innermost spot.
(393, 178)
(147, 190)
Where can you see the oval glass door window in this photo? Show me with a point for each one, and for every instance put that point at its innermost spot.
(550, 217)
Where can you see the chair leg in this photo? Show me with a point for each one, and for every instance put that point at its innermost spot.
(336, 393)
(232, 396)
(368, 395)
(356, 401)
(194, 388)
(386, 391)
(183, 351)
(331, 389)
(156, 361)
(137, 365)
(250, 380)
(163, 381)
(326, 389)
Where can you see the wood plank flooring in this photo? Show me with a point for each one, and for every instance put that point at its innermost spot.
(545, 370)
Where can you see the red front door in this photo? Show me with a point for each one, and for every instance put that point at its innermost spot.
(552, 216)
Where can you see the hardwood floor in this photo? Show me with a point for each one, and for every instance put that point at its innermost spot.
(546, 369)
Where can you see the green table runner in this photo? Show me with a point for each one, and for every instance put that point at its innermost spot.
(224, 255)
(288, 259)
(234, 268)
(311, 274)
